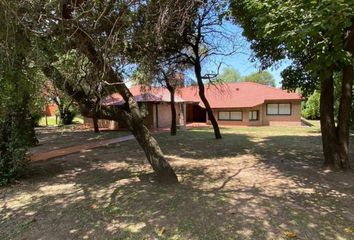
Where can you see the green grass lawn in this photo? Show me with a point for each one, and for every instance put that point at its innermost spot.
(52, 121)
(255, 183)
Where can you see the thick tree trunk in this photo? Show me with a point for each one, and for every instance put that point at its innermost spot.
(150, 146)
(211, 117)
(154, 155)
(344, 116)
(173, 129)
(153, 152)
(346, 102)
(328, 128)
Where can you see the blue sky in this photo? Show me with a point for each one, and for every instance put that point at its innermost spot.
(245, 66)
(241, 60)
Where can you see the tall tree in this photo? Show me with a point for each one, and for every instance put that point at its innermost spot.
(263, 77)
(87, 41)
(104, 34)
(229, 74)
(208, 38)
(161, 75)
(18, 95)
(319, 45)
(159, 62)
(172, 78)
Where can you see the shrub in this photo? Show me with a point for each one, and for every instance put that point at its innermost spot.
(311, 108)
(67, 117)
(14, 137)
(36, 118)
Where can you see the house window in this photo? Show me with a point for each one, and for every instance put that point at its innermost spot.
(230, 116)
(224, 115)
(279, 109)
(253, 115)
(285, 109)
(272, 109)
(236, 116)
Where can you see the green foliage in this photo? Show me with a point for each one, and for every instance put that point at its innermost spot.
(79, 73)
(19, 93)
(352, 115)
(264, 77)
(155, 39)
(307, 32)
(15, 135)
(311, 109)
(295, 76)
(229, 74)
(67, 116)
(36, 118)
(66, 108)
(16, 124)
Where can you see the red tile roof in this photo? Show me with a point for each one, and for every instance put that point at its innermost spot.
(143, 93)
(229, 95)
(237, 95)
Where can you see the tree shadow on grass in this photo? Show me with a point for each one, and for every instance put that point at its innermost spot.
(108, 193)
(301, 158)
(201, 145)
(127, 205)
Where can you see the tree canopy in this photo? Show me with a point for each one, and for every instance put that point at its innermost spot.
(263, 77)
(109, 39)
(318, 36)
(311, 108)
(306, 32)
(230, 74)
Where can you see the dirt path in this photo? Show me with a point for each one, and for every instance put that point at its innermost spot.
(38, 156)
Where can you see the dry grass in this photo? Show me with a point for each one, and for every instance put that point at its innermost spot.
(255, 183)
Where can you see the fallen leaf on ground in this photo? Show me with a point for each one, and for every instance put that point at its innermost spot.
(290, 234)
(349, 229)
(162, 231)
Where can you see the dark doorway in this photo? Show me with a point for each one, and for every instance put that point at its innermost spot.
(195, 113)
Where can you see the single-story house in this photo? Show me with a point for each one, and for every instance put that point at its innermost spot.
(246, 104)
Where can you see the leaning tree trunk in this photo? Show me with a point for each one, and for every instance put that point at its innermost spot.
(154, 155)
(211, 117)
(328, 128)
(152, 150)
(149, 144)
(173, 130)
